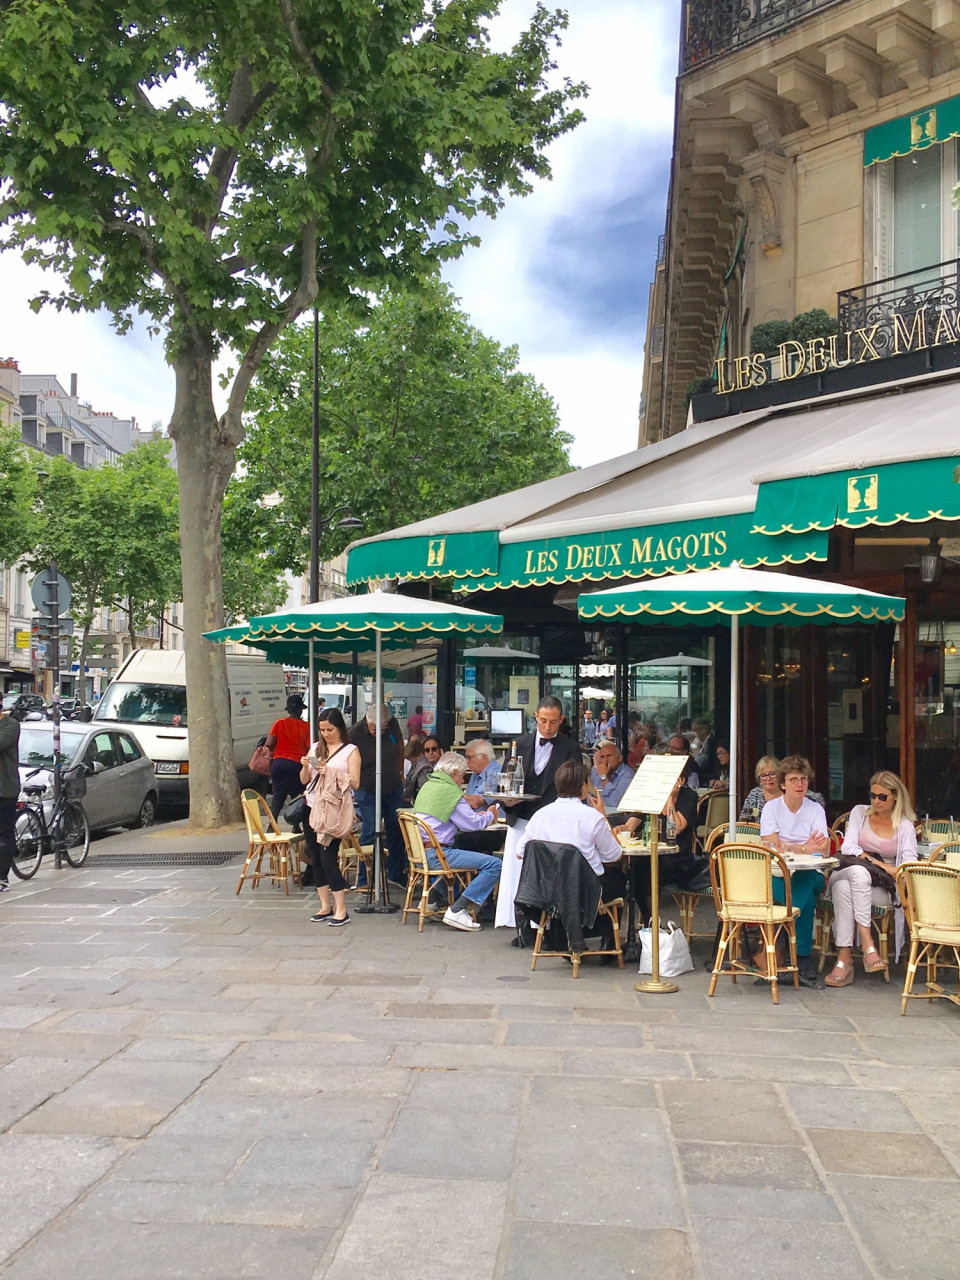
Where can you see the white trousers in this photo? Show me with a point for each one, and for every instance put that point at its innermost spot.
(509, 876)
(853, 895)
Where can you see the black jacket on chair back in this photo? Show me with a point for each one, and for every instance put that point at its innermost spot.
(558, 877)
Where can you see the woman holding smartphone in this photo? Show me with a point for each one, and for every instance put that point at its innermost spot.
(330, 751)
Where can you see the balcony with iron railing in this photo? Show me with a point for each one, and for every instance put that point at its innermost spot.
(901, 304)
(715, 27)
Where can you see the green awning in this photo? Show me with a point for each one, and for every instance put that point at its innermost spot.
(755, 599)
(454, 555)
(909, 492)
(643, 551)
(912, 133)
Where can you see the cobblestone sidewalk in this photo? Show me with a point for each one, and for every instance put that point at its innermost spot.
(195, 1084)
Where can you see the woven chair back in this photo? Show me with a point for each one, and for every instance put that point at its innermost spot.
(747, 833)
(932, 894)
(421, 836)
(250, 802)
(745, 875)
(947, 853)
(716, 810)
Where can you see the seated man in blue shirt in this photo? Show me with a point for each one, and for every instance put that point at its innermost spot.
(484, 772)
(610, 775)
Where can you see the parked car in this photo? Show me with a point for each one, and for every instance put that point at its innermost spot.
(21, 705)
(121, 786)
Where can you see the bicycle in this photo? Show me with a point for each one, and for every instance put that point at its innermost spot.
(67, 832)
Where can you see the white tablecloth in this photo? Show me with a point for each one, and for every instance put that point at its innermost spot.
(509, 876)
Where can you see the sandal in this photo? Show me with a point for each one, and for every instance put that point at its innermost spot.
(841, 976)
(873, 966)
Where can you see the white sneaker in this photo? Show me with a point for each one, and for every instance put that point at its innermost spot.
(460, 920)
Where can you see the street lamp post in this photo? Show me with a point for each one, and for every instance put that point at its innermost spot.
(318, 526)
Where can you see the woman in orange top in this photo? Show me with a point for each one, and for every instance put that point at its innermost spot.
(289, 740)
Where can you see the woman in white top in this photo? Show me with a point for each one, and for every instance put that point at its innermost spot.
(333, 751)
(881, 833)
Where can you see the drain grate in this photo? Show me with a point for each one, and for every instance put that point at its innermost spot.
(177, 858)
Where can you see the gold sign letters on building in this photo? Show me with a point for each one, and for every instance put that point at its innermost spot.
(927, 327)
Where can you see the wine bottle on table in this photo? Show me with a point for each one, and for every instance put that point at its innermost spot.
(506, 774)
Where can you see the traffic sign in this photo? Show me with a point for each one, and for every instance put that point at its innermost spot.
(42, 627)
(41, 589)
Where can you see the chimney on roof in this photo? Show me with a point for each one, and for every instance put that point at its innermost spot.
(73, 384)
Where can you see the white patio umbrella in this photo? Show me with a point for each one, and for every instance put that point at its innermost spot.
(678, 660)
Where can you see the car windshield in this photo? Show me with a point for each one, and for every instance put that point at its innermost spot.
(144, 704)
(36, 748)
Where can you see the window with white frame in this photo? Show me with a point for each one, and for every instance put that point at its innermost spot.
(915, 223)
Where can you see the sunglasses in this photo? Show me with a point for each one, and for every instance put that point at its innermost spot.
(879, 795)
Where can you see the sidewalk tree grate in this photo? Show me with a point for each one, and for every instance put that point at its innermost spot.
(175, 858)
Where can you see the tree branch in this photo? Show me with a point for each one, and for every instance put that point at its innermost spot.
(302, 51)
(148, 252)
(264, 338)
(240, 112)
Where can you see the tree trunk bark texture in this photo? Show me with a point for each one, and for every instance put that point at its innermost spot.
(205, 460)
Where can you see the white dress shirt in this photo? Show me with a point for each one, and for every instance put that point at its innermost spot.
(570, 821)
(541, 755)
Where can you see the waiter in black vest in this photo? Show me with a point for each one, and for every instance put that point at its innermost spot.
(542, 753)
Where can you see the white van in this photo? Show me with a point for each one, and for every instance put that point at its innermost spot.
(149, 694)
(339, 695)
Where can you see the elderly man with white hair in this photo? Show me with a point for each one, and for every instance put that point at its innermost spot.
(484, 772)
(441, 805)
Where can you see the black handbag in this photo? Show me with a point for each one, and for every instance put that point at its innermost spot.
(295, 810)
(878, 877)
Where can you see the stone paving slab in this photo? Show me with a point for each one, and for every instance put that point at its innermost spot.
(203, 1085)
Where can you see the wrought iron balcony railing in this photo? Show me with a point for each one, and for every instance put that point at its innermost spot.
(930, 290)
(715, 27)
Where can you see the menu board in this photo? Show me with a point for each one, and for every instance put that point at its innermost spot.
(652, 784)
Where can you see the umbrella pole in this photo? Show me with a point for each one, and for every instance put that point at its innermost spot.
(734, 682)
(311, 691)
(381, 904)
(378, 794)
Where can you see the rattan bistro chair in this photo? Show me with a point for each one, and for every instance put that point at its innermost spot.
(281, 847)
(930, 894)
(947, 853)
(353, 856)
(742, 877)
(421, 876)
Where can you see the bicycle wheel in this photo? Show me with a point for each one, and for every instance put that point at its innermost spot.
(74, 829)
(29, 851)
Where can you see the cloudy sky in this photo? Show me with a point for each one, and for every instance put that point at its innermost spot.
(563, 273)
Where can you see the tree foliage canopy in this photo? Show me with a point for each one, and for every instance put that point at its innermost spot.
(18, 487)
(419, 413)
(217, 165)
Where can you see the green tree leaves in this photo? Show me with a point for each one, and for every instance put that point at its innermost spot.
(420, 413)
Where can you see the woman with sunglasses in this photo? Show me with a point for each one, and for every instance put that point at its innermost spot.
(881, 833)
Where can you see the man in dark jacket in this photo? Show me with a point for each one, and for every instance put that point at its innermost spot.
(542, 753)
(9, 792)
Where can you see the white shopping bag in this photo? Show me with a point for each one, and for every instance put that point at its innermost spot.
(674, 952)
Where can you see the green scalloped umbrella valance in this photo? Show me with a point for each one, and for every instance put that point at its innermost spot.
(753, 596)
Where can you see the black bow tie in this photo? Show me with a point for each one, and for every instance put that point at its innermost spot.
(546, 742)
